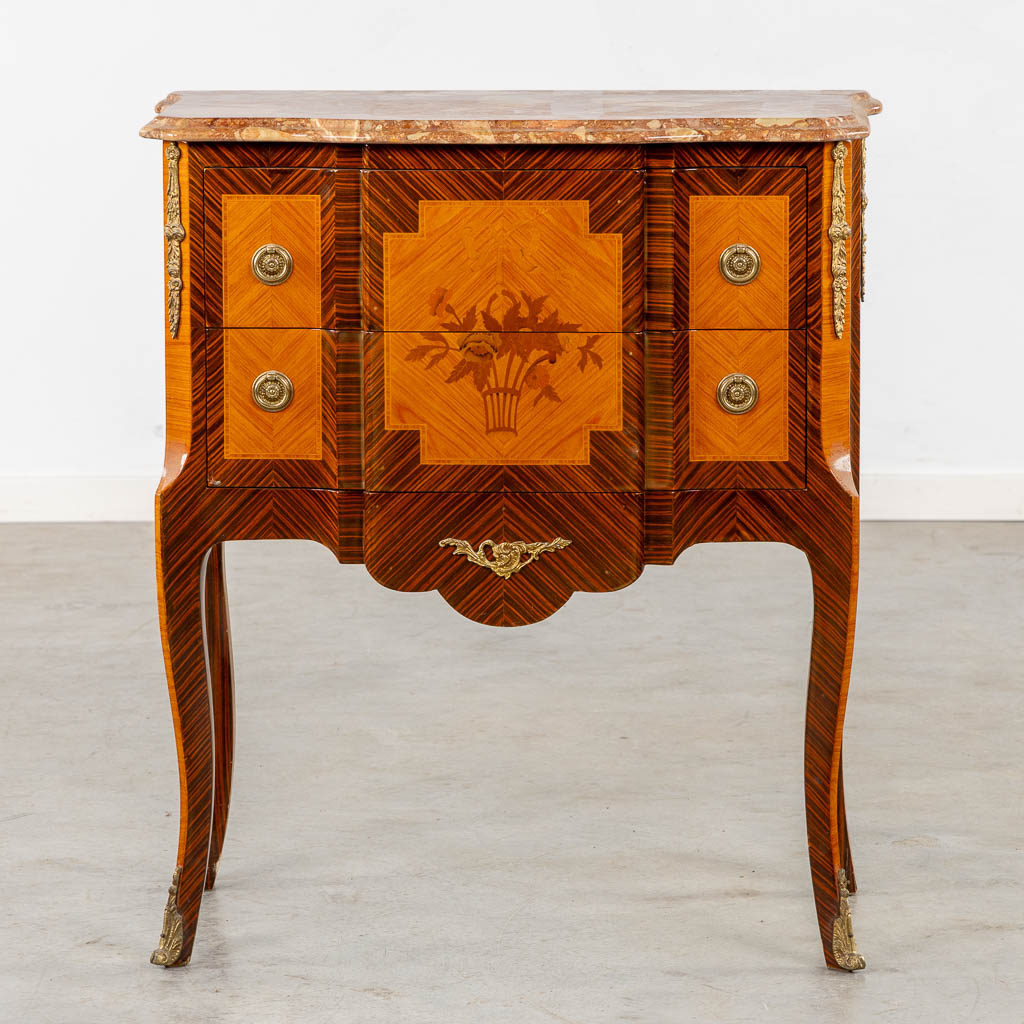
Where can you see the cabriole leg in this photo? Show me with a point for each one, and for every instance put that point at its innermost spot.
(181, 579)
(835, 606)
(845, 856)
(218, 640)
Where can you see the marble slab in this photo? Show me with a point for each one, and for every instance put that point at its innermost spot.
(506, 118)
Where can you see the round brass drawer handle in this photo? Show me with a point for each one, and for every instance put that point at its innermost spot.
(272, 391)
(272, 264)
(737, 393)
(739, 264)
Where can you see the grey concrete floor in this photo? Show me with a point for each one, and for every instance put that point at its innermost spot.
(598, 818)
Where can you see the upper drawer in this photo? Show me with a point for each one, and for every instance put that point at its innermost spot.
(741, 248)
(269, 247)
(492, 250)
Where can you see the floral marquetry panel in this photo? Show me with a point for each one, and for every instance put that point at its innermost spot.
(504, 410)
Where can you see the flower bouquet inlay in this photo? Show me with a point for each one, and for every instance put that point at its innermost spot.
(511, 356)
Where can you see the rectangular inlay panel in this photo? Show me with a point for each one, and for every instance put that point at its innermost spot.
(759, 435)
(764, 447)
(247, 209)
(717, 223)
(291, 222)
(248, 445)
(762, 208)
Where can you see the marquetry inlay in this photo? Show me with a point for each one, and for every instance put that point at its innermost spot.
(520, 367)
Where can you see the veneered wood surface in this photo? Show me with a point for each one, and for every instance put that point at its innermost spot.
(391, 205)
(575, 117)
(762, 433)
(248, 445)
(468, 255)
(402, 551)
(572, 235)
(498, 158)
(246, 208)
(717, 222)
(248, 223)
(429, 415)
(295, 432)
(837, 356)
(222, 694)
(722, 206)
(691, 405)
(820, 518)
(501, 399)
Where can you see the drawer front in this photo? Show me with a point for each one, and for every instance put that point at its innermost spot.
(271, 406)
(512, 411)
(503, 364)
(558, 250)
(453, 543)
(741, 248)
(270, 247)
(742, 419)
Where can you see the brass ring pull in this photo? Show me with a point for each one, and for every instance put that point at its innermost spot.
(739, 264)
(272, 391)
(737, 393)
(272, 264)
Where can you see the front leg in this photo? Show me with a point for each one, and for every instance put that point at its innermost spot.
(845, 856)
(182, 564)
(834, 573)
(222, 680)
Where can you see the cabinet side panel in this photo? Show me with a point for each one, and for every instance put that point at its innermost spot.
(837, 292)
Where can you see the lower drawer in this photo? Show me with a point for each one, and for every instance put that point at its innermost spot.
(741, 421)
(282, 408)
(500, 558)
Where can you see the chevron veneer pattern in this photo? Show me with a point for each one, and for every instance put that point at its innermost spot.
(716, 222)
(606, 552)
(246, 208)
(295, 432)
(293, 222)
(577, 237)
(716, 207)
(427, 431)
(762, 433)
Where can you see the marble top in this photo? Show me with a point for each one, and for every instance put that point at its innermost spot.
(506, 118)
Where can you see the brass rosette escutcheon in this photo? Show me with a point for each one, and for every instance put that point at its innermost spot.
(739, 264)
(273, 391)
(272, 264)
(505, 558)
(737, 393)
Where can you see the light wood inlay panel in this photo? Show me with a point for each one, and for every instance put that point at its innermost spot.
(251, 221)
(253, 433)
(482, 399)
(716, 222)
(760, 435)
(467, 254)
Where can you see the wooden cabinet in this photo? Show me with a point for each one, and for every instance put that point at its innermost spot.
(508, 359)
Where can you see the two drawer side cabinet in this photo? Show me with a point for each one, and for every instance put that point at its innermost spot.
(507, 346)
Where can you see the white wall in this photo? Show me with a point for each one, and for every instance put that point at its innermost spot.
(81, 401)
